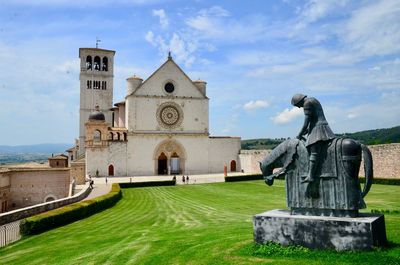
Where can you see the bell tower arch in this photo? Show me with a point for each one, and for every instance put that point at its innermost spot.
(96, 86)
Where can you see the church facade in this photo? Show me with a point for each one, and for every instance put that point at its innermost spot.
(161, 128)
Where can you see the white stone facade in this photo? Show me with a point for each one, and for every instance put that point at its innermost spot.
(162, 128)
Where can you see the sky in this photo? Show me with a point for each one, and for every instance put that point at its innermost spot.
(255, 55)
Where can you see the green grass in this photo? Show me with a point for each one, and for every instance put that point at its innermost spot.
(193, 224)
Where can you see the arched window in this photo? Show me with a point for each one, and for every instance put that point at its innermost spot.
(111, 170)
(103, 85)
(104, 67)
(111, 136)
(96, 136)
(125, 136)
(89, 84)
(119, 136)
(96, 64)
(89, 62)
(96, 84)
(49, 198)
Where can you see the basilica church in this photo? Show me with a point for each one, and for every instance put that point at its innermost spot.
(160, 128)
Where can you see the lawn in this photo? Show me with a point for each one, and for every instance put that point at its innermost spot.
(192, 224)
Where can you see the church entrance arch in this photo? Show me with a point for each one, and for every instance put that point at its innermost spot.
(169, 157)
(162, 164)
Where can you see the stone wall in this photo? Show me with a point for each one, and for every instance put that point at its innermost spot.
(29, 186)
(249, 160)
(78, 172)
(386, 159)
(4, 191)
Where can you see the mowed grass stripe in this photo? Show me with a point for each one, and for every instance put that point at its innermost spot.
(190, 224)
(177, 210)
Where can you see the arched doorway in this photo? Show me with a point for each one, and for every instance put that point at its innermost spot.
(111, 170)
(233, 166)
(169, 158)
(175, 164)
(162, 164)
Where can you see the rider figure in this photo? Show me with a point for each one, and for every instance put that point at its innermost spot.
(317, 128)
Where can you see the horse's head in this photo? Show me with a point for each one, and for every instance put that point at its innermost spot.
(280, 157)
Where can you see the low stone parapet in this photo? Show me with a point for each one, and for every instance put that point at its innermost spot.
(22, 213)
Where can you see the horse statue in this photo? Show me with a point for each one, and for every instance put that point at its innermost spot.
(336, 190)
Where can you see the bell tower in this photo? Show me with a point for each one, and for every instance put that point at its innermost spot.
(96, 86)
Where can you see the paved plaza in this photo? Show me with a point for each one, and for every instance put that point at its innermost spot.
(102, 185)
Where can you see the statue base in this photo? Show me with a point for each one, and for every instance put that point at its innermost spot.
(320, 232)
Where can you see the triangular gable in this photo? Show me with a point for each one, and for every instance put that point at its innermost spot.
(196, 92)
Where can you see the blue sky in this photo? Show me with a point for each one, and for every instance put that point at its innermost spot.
(254, 56)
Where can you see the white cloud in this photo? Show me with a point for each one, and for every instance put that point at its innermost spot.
(216, 23)
(258, 104)
(216, 11)
(81, 3)
(351, 116)
(160, 13)
(181, 50)
(207, 26)
(149, 37)
(317, 9)
(382, 112)
(374, 29)
(287, 115)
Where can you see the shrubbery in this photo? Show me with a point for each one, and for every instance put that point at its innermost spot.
(383, 211)
(383, 181)
(70, 213)
(243, 178)
(274, 249)
(147, 184)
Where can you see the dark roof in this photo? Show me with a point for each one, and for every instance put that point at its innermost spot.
(97, 116)
(62, 156)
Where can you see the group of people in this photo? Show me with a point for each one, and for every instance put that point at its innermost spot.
(184, 179)
(187, 179)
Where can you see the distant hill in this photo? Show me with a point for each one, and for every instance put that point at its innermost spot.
(370, 137)
(29, 153)
(378, 136)
(34, 149)
(260, 144)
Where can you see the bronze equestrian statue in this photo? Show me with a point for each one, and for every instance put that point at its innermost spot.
(322, 172)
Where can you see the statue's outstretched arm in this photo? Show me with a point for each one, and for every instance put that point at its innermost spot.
(304, 129)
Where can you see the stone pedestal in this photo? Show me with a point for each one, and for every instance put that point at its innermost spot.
(320, 232)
